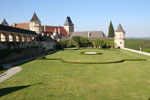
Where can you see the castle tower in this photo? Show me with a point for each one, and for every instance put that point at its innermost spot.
(35, 24)
(4, 22)
(69, 26)
(120, 37)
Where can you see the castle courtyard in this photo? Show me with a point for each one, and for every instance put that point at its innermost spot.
(52, 79)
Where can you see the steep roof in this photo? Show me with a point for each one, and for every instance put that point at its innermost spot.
(4, 22)
(34, 17)
(93, 34)
(68, 22)
(51, 29)
(120, 29)
(21, 25)
(17, 30)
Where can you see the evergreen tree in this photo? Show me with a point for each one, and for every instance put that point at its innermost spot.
(111, 30)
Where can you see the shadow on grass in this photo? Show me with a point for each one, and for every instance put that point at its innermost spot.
(8, 90)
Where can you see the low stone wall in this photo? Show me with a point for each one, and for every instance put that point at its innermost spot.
(28, 52)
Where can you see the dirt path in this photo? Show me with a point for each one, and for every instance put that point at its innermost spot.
(140, 52)
(10, 72)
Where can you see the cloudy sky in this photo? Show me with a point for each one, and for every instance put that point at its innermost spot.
(87, 15)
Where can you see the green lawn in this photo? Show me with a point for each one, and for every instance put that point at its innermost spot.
(54, 80)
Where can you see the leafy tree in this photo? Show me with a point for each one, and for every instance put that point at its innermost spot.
(98, 43)
(76, 40)
(111, 30)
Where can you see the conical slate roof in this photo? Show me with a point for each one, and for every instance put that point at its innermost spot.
(4, 22)
(120, 29)
(68, 22)
(34, 17)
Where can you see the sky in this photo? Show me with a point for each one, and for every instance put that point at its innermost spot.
(87, 15)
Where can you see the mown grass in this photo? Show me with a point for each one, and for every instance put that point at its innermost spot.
(54, 80)
(137, 43)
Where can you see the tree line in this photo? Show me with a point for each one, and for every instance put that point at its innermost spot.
(78, 41)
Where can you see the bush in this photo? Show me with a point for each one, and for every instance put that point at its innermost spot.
(4, 53)
(146, 50)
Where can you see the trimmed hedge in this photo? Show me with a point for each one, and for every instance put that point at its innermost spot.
(135, 59)
(107, 62)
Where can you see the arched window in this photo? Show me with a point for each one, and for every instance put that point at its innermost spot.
(11, 37)
(17, 38)
(28, 39)
(23, 38)
(33, 38)
(3, 37)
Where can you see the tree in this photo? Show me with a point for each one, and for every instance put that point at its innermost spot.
(98, 43)
(76, 40)
(111, 30)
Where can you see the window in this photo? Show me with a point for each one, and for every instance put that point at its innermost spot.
(120, 42)
(23, 38)
(28, 39)
(120, 35)
(17, 38)
(11, 37)
(3, 37)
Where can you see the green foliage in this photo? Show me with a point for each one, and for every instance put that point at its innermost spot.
(4, 53)
(111, 30)
(62, 44)
(98, 43)
(137, 43)
(70, 44)
(103, 43)
(146, 50)
(110, 43)
(77, 40)
(18, 50)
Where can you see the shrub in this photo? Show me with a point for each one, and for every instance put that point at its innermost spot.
(4, 53)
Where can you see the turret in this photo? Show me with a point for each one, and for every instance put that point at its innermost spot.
(4, 22)
(69, 26)
(35, 24)
(120, 37)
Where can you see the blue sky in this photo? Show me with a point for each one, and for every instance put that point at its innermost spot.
(87, 15)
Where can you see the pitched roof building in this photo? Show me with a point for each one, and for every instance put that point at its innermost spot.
(91, 35)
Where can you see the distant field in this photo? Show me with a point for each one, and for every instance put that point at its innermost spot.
(136, 43)
(54, 80)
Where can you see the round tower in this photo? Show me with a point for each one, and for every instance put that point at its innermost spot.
(69, 26)
(35, 24)
(120, 37)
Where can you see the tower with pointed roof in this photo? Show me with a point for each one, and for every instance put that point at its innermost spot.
(35, 24)
(4, 22)
(69, 26)
(120, 37)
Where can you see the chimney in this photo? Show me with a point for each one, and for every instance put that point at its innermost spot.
(44, 28)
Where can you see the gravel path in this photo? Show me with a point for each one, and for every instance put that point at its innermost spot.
(10, 72)
(140, 52)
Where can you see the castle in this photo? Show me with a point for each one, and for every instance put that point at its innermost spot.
(33, 33)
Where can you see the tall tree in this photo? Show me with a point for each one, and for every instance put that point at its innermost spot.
(111, 30)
